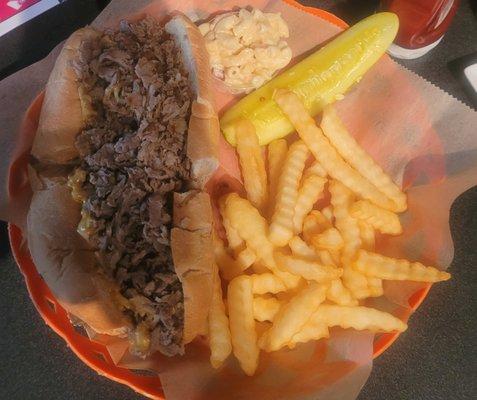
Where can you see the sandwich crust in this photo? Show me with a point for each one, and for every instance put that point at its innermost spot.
(191, 239)
(68, 264)
(63, 112)
(204, 128)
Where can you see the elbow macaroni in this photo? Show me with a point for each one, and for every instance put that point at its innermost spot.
(246, 47)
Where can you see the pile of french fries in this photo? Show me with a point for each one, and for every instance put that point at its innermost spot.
(293, 269)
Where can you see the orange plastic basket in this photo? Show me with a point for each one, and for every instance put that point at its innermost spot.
(93, 354)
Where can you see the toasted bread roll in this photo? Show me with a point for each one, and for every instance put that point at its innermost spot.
(67, 263)
(204, 128)
(64, 111)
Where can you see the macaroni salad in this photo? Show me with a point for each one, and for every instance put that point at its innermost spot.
(246, 48)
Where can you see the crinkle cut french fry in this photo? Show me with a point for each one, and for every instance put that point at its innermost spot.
(234, 240)
(355, 282)
(266, 283)
(341, 198)
(338, 294)
(258, 267)
(328, 213)
(309, 193)
(277, 153)
(300, 248)
(324, 152)
(265, 309)
(379, 266)
(310, 331)
(249, 224)
(368, 237)
(306, 268)
(329, 240)
(326, 258)
(375, 286)
(242, 323)
(291, 281)
(383, 220)
(246, 258)
(329, 257)
(353, 153)
(320, 218)
(315, 169)
(282, 228)
(228, 267)
(311, 227)
(336, 256)
(252, 163)
(285, 297)
(252, 227)
(220, 341)
(359, 318)
(293, 316)
(314, 223)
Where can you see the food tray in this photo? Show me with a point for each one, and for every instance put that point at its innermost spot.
(94, 354)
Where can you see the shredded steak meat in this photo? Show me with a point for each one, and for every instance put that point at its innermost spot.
(133, 152)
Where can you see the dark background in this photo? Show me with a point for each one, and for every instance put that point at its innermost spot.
(435, 359)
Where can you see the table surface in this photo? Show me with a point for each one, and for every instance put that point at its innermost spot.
(435, 359)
